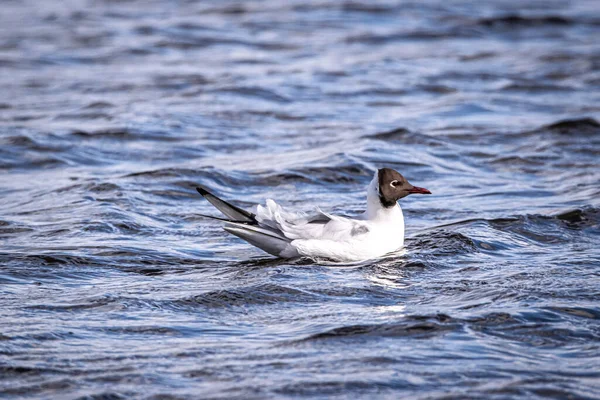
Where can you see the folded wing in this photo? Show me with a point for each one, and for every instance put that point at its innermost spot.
(321, 226)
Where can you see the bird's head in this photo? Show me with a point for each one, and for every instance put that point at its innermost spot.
(393, 186)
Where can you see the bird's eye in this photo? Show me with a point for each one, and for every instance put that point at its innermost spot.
(394, 183)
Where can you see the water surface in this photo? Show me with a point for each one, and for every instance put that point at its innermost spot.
(113, 286)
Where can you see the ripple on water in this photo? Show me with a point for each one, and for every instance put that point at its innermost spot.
(112, 284)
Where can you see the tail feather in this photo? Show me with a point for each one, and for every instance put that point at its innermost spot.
(229, 210)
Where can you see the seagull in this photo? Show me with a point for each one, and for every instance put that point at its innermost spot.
(375, 233)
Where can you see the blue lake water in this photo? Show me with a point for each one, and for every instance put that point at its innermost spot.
(113, 286)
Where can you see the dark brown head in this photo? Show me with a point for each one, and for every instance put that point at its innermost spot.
(393, 187)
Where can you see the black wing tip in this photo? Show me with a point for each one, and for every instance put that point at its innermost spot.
(224, 206)
(202, 191)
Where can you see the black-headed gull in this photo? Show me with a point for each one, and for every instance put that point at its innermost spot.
(376, 232)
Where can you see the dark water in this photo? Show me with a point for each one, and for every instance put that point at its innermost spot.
(112, 286)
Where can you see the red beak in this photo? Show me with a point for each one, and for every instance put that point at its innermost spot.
(419, 190)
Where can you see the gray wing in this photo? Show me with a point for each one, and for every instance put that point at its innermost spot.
(265, 238)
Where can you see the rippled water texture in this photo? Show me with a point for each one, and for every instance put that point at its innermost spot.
(113, 286)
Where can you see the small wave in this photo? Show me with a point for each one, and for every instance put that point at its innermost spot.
(348, 173)
(538, 229)
(278, 115)
(412, 326)
(519, 21)
(99, 105)
(584, 217)
(405, 136)
(257, 92)
(162, 173)
(227, 180)
(537, 328)
(30, 141)
(536, 87)
(368, 8)
(549, 229)
(51, 259)
(179, 81)
(442, 242)
(128, 134)
(580, 312)
(80, 306)
(262, 294)
(582, 126)
(194, 42)
(8, 229)
(207, 176)
(143, 330)
(21, 371)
